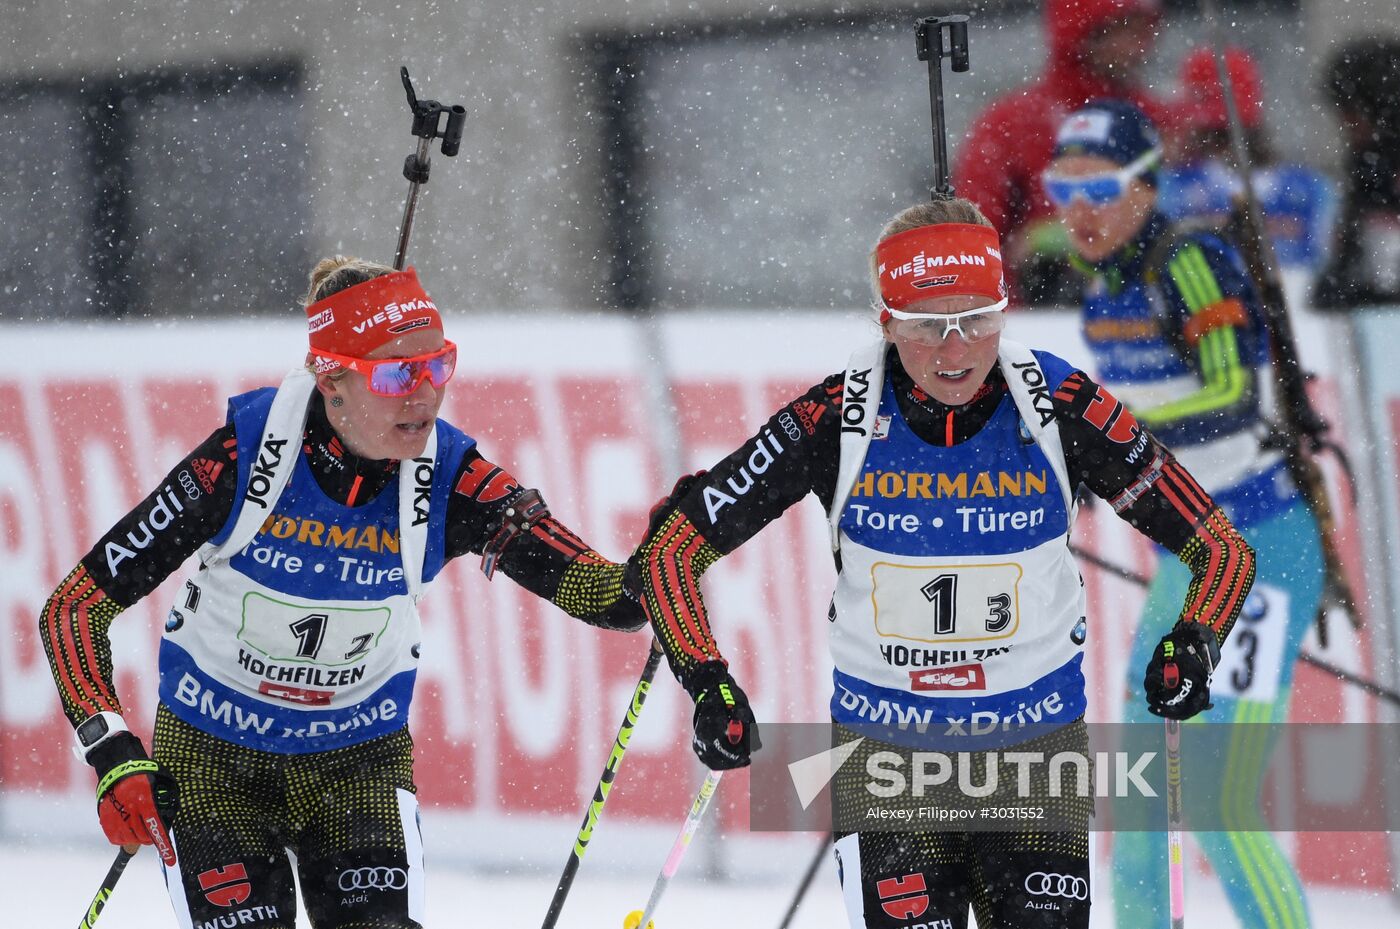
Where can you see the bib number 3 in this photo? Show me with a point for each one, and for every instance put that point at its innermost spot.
(1251, 660)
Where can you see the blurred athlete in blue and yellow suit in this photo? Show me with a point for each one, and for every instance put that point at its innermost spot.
(1174, 323)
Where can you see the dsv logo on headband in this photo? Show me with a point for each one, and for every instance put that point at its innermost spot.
(373, 879)
(1042, 884)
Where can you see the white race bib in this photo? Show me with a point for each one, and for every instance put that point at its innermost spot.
(946, 603)
(1251, 660)
(320, 635)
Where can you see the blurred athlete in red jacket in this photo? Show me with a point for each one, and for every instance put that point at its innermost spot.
(1097, 48)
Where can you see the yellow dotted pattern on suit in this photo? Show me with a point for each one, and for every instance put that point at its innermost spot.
(73, 627)
(236, 800)
(589, 588)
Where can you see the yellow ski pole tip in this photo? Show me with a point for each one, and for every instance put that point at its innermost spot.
(634, 920)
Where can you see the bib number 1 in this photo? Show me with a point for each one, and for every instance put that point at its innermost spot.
(942, 592)
(310, 632)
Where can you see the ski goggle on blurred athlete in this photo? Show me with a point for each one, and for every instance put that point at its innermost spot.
(944, 260)
(1096, 189)
(353, 323)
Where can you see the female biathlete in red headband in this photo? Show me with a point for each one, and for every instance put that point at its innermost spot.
(320, 510)
(947, 459)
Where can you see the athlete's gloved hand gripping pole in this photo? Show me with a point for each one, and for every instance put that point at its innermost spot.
(136, 800)
(723, 731)
(427, 125)
(1177, 682)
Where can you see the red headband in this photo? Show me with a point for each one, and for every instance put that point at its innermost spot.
(935, 261)
(357, 320)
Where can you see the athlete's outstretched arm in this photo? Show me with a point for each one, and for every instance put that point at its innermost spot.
(710, 514)
(491, 514)
(145, 546)
(1123, 463)
(795, 453)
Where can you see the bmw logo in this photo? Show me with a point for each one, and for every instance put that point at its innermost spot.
(1255, 606)
(1080, 632)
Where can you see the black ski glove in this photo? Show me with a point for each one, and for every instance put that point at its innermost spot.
(1178, 676)
(724, 728)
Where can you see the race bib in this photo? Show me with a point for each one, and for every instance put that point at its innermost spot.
(279, 634)
(946, 603)
(1251, 660)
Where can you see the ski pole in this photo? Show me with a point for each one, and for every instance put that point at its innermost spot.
(1356, 680)
(594, 812)
(807, 878)
(929, 41)
(1117, 570)
(427, 117)
(639, 918)
(1176, 866)
(109, 884)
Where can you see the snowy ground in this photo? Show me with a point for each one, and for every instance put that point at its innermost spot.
(52, 886)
